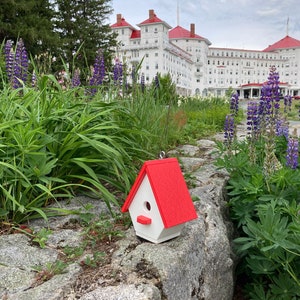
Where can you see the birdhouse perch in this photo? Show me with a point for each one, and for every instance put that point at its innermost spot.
(159, 202)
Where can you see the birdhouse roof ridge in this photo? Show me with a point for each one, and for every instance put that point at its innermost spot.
(170, 191)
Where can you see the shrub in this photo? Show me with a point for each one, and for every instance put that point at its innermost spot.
(264, 200)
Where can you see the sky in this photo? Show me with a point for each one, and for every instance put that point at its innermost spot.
(240, 24)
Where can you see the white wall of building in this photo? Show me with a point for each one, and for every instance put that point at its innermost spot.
(197, 68)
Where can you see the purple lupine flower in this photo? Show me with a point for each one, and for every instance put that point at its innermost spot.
(282, 128)
(252, 119)
(9, 59)
(76, 78)
(292, 153)
(143, 82)
(287, 100)
(24, 60)
(234, 104)
(98, 72)
(118, 72)
(273, 83)
(229, 129)
(20, 70)
(269, 101)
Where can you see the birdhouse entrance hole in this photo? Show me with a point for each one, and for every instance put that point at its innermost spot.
(147, 205)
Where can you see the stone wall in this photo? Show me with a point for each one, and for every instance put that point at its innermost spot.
(199, 264)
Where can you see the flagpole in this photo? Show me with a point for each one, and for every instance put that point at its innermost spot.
(177, 12)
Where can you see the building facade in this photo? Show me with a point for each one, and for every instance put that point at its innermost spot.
(196, 67)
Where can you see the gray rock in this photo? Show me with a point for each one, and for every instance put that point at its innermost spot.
(13, 279)
(124, 292)
(196, 265)
(199, 264)
(55, 288)
(16, 251)
(190, 164)
(185, 150)
(65, 237)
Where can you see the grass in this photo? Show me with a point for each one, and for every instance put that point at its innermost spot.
(56, 143)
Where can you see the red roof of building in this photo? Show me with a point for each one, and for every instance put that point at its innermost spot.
(179, 32)
(254, 84)
(136, 34)
(121, 23)
(286, 42)
(153, 19)
(170, 191)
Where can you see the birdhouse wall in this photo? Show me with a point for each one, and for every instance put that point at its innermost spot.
(165, 234)
(144, 204)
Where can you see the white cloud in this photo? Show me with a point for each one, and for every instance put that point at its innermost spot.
(252, 24)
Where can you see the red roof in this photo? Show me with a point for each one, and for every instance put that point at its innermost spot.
(254, 84)
(286, 42)
(154, 19)
(170, 191)
(121, 23)
(179, 32)
(136, 34)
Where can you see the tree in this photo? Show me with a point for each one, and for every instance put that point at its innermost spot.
(83, 30)
(30, 20)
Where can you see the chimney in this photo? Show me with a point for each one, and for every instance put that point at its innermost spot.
(192, 30)
(119, 18)
(151, 14)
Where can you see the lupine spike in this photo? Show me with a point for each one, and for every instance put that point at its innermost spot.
(282, 127)
(118, 72)
(76, 78)
(229, 130)
(9, 59)
(252, 119)
(292, 153)
(98, 72)
(234, 104)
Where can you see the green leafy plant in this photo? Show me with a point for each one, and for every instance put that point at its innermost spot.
(93, 260)
(45, 273)
(41, 237)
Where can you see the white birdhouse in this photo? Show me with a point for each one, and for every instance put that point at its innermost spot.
(159, 202)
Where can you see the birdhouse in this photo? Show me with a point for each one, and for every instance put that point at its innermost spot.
(159, 202)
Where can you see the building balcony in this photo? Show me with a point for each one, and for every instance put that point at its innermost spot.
(198, 74)
(199, 63)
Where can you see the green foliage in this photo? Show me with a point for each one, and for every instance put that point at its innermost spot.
(83, 29)
(265, 208)
(204, 117)
(41, 237)
(45, 273)
(93, 259)
(30, 20)
(57, 143)
(164, 90)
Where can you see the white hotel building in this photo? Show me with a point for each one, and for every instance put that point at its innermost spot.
(199, 69)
